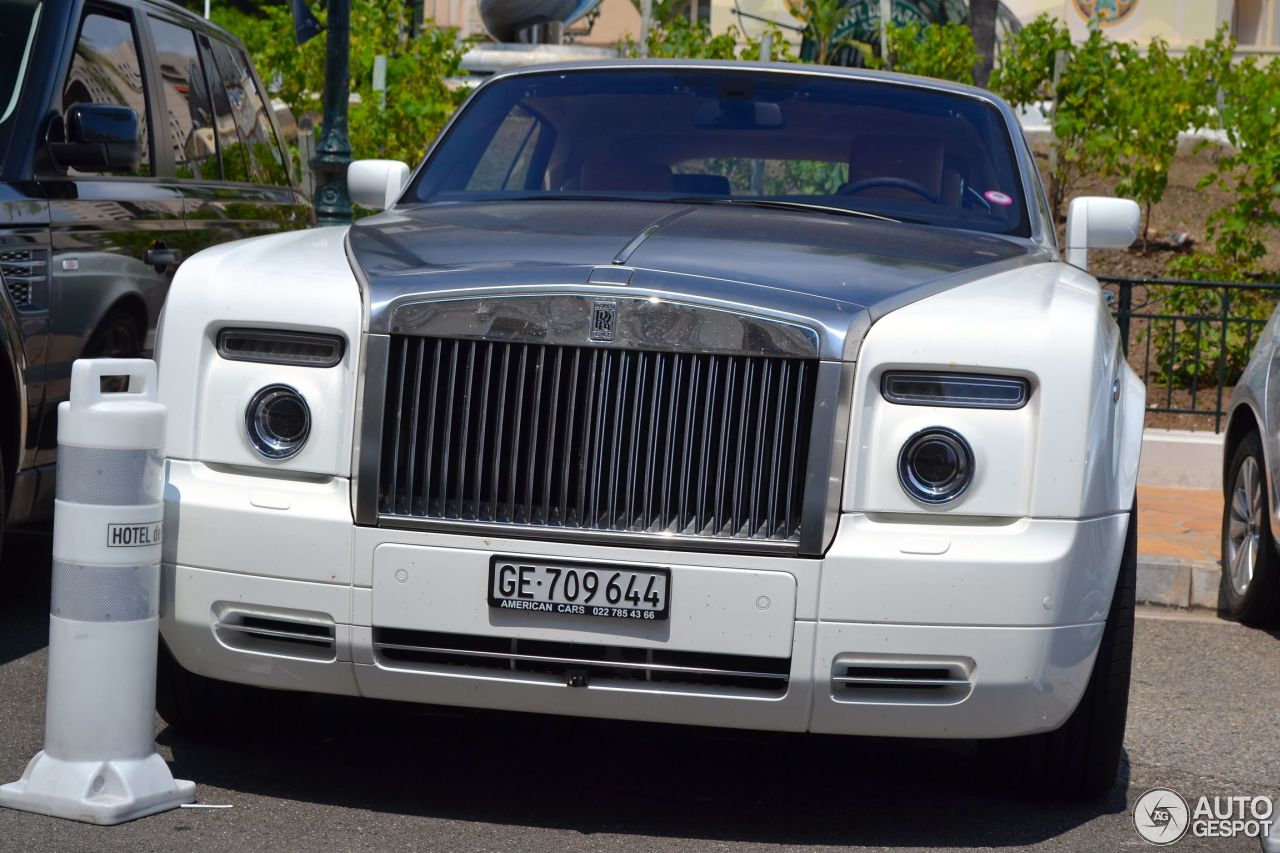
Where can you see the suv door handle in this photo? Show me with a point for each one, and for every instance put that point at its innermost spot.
(162, 256)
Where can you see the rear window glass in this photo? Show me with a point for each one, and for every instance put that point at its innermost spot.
(261, 152)
(902, 151)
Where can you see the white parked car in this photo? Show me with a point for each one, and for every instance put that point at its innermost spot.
(739, 395)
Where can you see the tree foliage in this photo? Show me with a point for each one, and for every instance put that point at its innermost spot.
(944, 51)
(679, 38)
(1249, 168)
(418, 99)
(1025, 70)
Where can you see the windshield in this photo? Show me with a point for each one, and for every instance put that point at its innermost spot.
(18, 22)
(729, 135)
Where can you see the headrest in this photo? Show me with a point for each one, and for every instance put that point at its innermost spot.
(881, 155)
(624, 175)
(701, 184)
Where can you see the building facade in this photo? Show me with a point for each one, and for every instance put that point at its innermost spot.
(1254, 23)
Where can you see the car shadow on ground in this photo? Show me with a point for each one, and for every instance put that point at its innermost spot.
(24, 593)
(592, 776)
(638, 779)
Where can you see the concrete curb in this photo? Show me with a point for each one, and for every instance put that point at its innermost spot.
(1171, 582)
(1181, 459)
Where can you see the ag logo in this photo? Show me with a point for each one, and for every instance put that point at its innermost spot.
(604, 319)
(1107, 12)
(1161, 816)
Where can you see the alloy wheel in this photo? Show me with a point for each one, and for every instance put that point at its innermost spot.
(1244, 532)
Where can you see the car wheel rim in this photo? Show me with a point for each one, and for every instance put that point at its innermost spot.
(1244, 530)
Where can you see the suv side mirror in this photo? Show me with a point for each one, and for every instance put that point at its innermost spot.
(376, 183)
(1095, 222)
(98, 137)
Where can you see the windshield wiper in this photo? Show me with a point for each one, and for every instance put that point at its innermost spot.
(780, 204)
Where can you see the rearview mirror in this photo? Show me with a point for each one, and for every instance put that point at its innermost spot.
(726, 114)
(376, 183)
(1096, 222)
(99, 138)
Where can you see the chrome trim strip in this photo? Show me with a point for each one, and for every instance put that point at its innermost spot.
(643, 323)
(611, 664)
(824, 473)
(317, 639)
(851, 680)
(1018, 383)
(377, 353)
(630, 249)
(713, 544)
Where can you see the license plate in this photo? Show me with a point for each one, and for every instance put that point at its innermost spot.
(581, 589)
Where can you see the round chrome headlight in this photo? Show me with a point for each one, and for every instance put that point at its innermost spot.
(935, 465)
(278, 421)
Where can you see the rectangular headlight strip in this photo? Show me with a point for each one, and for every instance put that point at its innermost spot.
(269, 346)
(957, 390)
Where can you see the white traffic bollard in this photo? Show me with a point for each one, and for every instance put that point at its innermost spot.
(99, 763)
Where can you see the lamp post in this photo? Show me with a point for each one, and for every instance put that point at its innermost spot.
(333, 151)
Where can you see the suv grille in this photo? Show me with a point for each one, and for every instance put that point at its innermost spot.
(22, 269)
(546, 436)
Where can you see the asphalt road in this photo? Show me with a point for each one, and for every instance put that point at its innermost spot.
(350, 775)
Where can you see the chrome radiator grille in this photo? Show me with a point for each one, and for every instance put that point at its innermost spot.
(587, 438)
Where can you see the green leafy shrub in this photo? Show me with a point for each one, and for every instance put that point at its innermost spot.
(944, 51)
(1236, 233)
(1024, 66)
(418, 99)
(680, 38)
(1250, 169)
(1189, 350)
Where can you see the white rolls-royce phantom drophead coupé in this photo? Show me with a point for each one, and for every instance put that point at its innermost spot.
(722, 394)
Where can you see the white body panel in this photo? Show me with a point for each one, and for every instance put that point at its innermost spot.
(298, 281)
(1009, 585)
(1071, 452)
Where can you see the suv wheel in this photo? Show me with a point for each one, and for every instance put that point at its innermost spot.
(117, 336)
(4, 500)
(1082, 757)
(1250, 586)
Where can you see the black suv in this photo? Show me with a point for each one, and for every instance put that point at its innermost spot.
(132, 134)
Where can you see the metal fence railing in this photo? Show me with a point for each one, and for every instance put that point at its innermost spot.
(1189, 340)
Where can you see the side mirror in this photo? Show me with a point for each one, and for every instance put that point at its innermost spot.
(1095, 222)
(98, 137)
(376, 183)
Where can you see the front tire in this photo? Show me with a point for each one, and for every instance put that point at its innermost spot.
(1249, 589)
(207, 709)
(1081, 759)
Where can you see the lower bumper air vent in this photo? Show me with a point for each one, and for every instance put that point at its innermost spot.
(288, 635)
(901, 680)
(580, 664)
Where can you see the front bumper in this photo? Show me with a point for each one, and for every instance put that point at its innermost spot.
(903, 629)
